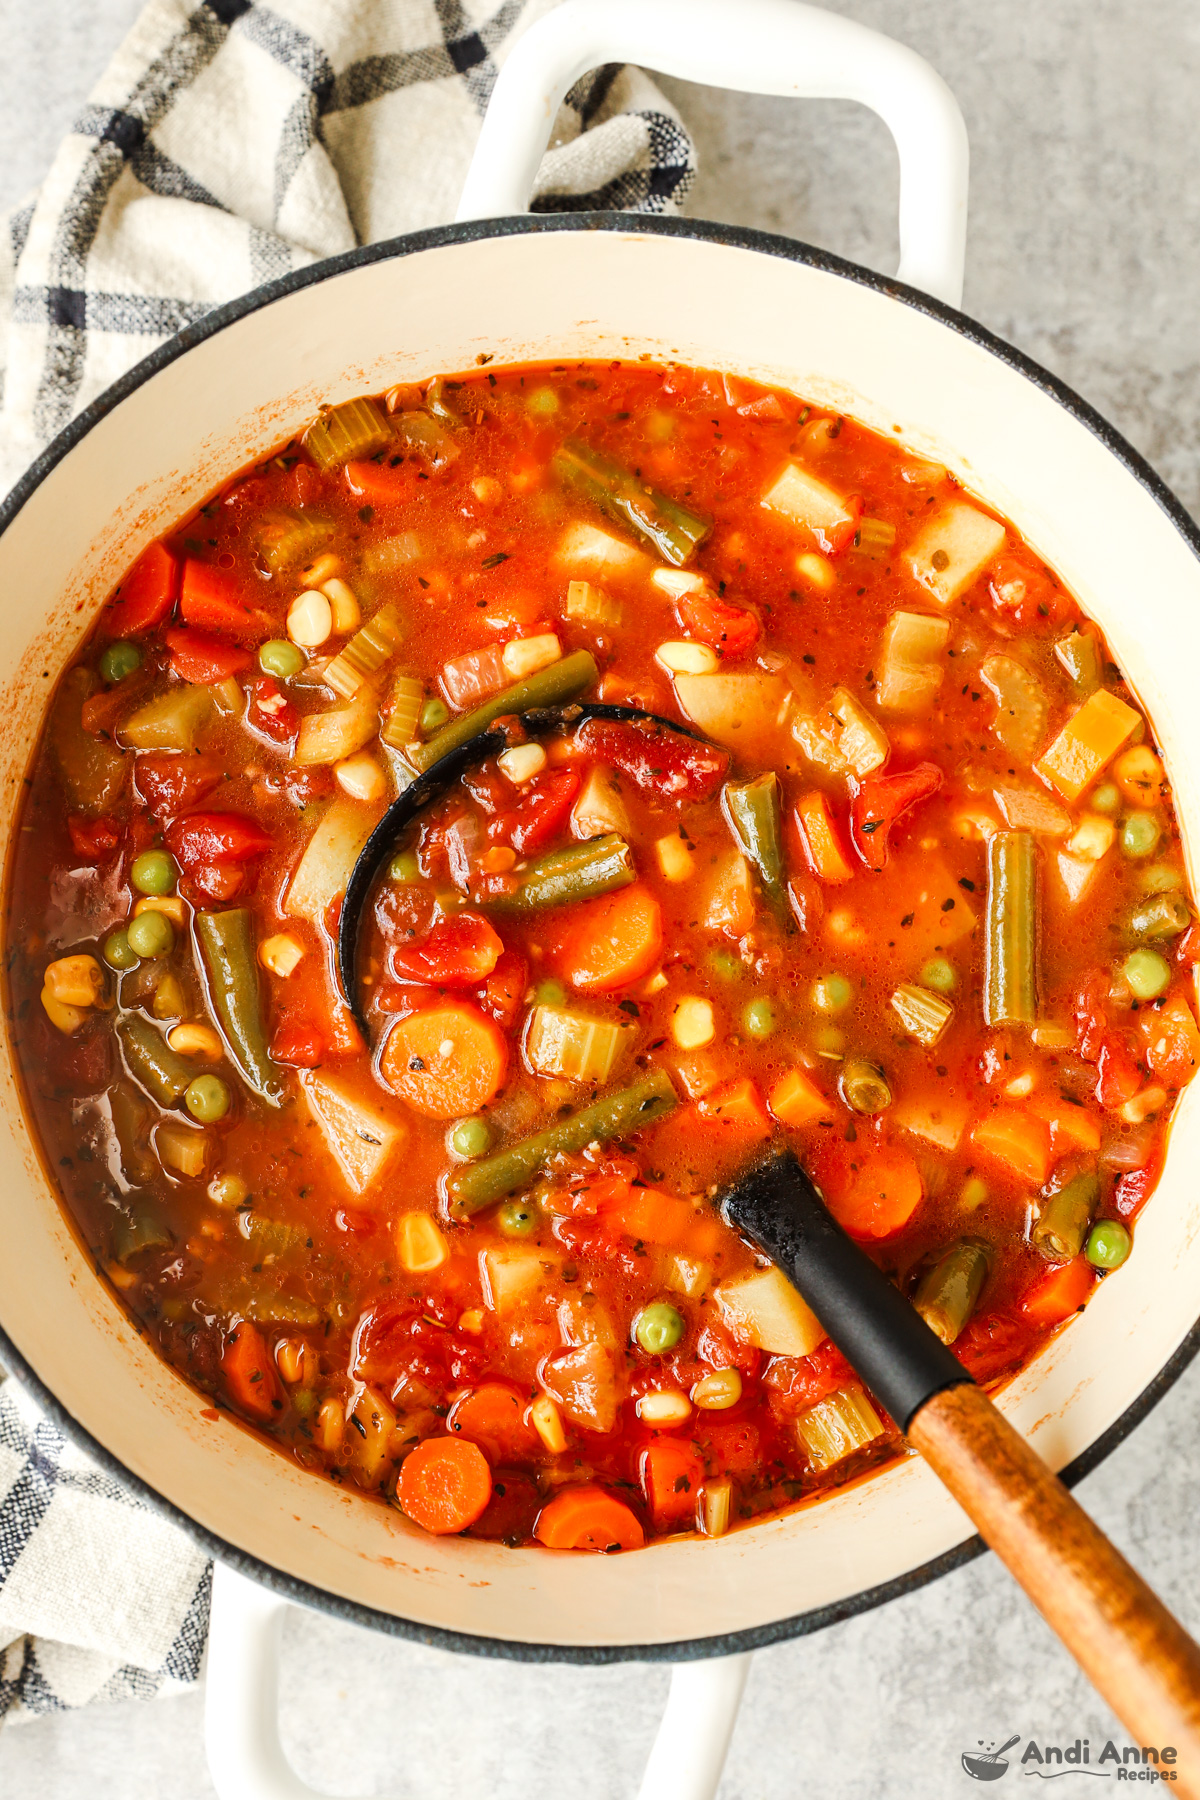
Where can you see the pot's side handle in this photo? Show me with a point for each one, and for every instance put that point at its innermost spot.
(757, 46)
(693, 1735)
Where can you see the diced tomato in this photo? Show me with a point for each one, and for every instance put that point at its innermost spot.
(879, 801)
(800, 1381)
(92, 838)
(540, 814)
(214, 883)
(1133, 1189)
(300, 787)
(393, 998)
(721, 1350)
(172, 784)
(731, 630)
(672, 1476)
(1118, 1077)
(271, 712)
(732, 1445)
(1091, 1016)
(992, 1344)
(355, 1223)
(298, 1043)
(663, 762)
(146, 595)
(210, 599)
(385, 482)
(504, 993)
(1025, 593)
(198, 656)
(458, 952)
(217, 838)
(308, 483)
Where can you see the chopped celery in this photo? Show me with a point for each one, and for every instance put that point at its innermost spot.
(407, 704)
(591, 604)
(328, 737)
(923, 1015)
(1079, 654)
(424, 436)
(1021, 709)
(874, 538)
(1010, 979)
(347, 433)
(173, 721)
(563, 1042)
(329, 856)
(836, 1427)
(366, 653)
(285, 538)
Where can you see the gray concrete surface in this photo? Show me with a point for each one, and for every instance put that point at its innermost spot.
(1085, 251)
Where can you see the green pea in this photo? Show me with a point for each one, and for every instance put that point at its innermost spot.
(150, 934)
(1109, 1243)
(658, 1327)
(470, 1138)
(1107, 798)
(1140, 834)
(404, 867)
(759, 1019)
(550, 993)
(118, 951)
(207, 1099)
(120, 660)
(281, 658)
(434, 714)
(153, 872)
(305, 1402)
(1160, 878)
(832, 993)
(1147, 973)
(543, 402)
(725, 966)
(518, 1218)
(939, 975)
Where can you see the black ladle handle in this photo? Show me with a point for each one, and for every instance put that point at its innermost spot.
(777, 1206)
(438, 780)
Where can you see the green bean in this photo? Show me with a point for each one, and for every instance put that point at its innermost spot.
(509, 1170)
(131, 1122)
(1010, 978)
(670, 529)
(554, 686)
(949, 1292)
(227, 946)
(151, 1060)
(141, 1228)
(1079, 654)
(1163, 917)
(753, 812)
(1066, 1218)
(578, 872)
(864, 1086)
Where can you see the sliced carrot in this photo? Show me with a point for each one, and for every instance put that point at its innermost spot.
(249, 1371)
(795, 1100)
(672, 1475)
(493, 1416)
(210, 598)
(446, 1061)
(445, 1485)
(884, 1195)
(739, 1105)
(382, 483)
(821, 839)
(1019, 1139)
(1071, 1127)
(651, 1217)
(612, 941)
(146, 595)
(586, 1518)
(1059, 1293)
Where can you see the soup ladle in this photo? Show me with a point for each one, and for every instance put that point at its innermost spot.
(1132, 1649)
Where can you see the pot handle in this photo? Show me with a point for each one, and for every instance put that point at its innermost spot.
(241, 1707)
(758, 47)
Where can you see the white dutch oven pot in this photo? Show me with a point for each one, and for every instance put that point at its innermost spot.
(520, 288)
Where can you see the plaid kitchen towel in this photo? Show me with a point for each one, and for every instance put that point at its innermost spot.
(227, 143)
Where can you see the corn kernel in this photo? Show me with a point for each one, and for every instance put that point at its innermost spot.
(320, 571)
(684, 658)
(546, 1420)
(818, 571)
(522, 762)
(191, 1039)
(471, 1321)
(310, 619)
(331, 1426)
(675, 860)
(692, 1027)
(75, 981)
(1093, 839)
(63, 1017)
(360, 776)
(419, 1244)
(281, 954)
(487, 489)
(291, 1354)
(1139, 775)
(654, 984)
(344, 610)
(1021, 1086)
(1143, 1106)
(669, 1407)
(715, 1392)
(168, 1001)
(525, 656)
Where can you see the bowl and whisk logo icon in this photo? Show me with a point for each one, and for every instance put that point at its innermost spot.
(988, 1764)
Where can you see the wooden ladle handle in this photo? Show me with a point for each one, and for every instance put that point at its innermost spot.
(1132, 1649)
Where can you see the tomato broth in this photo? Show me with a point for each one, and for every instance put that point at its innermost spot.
(895, 880)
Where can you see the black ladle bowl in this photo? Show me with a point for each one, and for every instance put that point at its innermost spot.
(438, 780)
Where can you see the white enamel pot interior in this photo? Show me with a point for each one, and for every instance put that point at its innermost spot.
(556, 288)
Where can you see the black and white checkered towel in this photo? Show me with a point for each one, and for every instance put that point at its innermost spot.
(227, 143)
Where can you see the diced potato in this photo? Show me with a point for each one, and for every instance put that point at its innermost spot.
(909, 669)
(675, 860)
(764, 1309)
(728, 904)
(365, 1445)
(173, 721)
(952, 549)
(600, 808)
(592, 605)
(1027, 809)
(329, 856)
(688, 1276)
(587, 548)
(1076, 874)
(1021, 709)
(585, 1320)
(361, 776)
(835, 1427)
(420, 1244)
(359, 1134)
(331, 736)
(808, 502)
(743, 712)
(817, 735)
(512, 1276)
(563, 1042)
(939, 1122)
(585, 1384)
(182, 1148)
(1087, 743)
(281, 955)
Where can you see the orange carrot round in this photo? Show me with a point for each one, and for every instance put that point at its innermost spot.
(1060, 1292)
(884, 1195)
(249, 1372)
(445, 1485)
(493, 1416)
(612, 941)
(586, 1518)
(446, 1061)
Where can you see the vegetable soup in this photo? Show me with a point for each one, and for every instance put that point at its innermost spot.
(892, 876)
